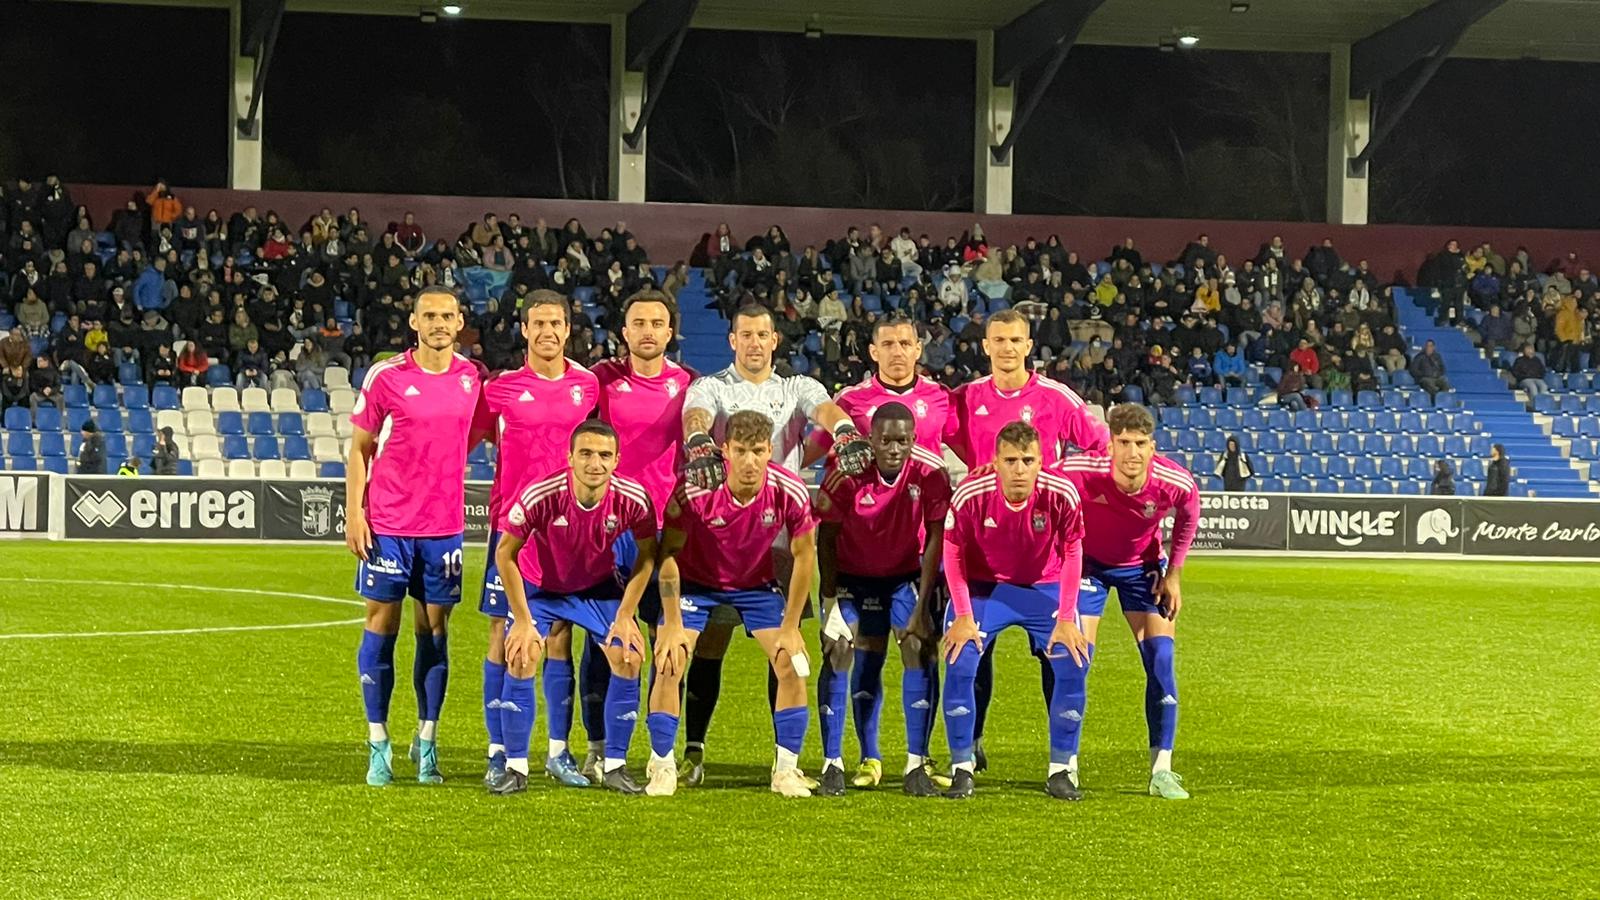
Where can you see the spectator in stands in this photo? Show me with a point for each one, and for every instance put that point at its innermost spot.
(251, 365)
(14, 390)
(1444, 479)
(496, 255)
(1391, 349)
(1570, 336)
(1428, 369)
(161, 367)
(408, 235)
(1499, 472)
(1335, 377)
(92, 453)
(101, 365)
(33, 315)
(193, 363)
(164, 207)
(164, 458)
(1229, 365)
(1528, 372)
(1310, 363)
(1233, 467)
(308, 365)
(1495, 329)
(1291, 389)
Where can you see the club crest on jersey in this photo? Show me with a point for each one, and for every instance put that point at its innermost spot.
(1149, 508)
(921, 408)
(466, 383)
(612, 521)
(915, 491)
(768, 517)
(672, 389)
(576, 393)
(1038, 521)
(1027, 414)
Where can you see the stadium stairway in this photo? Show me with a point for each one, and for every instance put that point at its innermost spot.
(1536, 460)
(703, 332)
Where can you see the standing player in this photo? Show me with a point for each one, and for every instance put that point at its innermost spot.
(718, 542)
(530, 413)
(404, 496)
(879, 547)
(897, 351)
(1013, 555)
(1125, 498)
(1010, 393)
(789, 403)
(562, 531)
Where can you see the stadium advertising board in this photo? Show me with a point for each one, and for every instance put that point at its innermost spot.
(1366, 524)
(314, 511)
(162, 508)
(1546, 528)
(24, 503)
(1241, 522)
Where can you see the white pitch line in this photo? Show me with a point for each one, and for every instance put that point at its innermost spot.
(186, 587)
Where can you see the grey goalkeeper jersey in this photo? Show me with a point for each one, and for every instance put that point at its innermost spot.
(789, 402)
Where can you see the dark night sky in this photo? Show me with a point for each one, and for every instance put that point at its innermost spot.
(469, 107)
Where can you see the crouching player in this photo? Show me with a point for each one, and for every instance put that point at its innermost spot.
(716, 551)
(1013, 546)
(1126, 496)
(557, 562)
(879, 545)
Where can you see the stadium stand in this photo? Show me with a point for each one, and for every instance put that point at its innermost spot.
(248, 336)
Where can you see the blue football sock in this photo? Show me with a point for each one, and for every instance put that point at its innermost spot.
(375, 663)
(960, 704)
(866, 695)
(622, 713)
(1066, 707)
(833, 687)
(518, 704)
(982, 690)
(790, 727)
(594, 676)
(1161, 691)
(430, 673)
(663, 733)
(494, 677)
(915, 702)
(558, 698)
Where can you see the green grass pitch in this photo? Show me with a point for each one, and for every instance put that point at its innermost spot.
(1399, 729)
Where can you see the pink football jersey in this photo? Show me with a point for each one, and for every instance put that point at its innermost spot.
(569, 547)
(1020, 544)
(648, 416)
(883, 526)
(928, 401)
(531, 418)
(728, 544)
(1122, 529)
(979, 410)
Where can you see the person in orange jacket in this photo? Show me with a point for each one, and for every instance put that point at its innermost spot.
(164, 207)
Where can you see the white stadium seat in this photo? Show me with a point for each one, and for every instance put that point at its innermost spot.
(342, 401)
(285, 400)
(342, 426)
(210, 468)
(241, 468)
(196, 398)
(302, 468)
(252, 399)
(205, 446)
(199, 421)
(171, 418)
(225, 399)
(335, 377)
(326, 449)
(273, 468)
(319, 424)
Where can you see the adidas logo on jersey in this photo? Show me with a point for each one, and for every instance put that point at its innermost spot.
(981, 411)
(989, 523)
(1100, 498)
(624, 388)
(560, 520)
(411, 391)
(527, 397)
(718, 522)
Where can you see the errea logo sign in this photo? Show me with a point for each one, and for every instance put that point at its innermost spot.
(19, 503)
(149, 508)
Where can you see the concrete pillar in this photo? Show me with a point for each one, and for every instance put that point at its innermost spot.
(993, 105)
(627, 170)
(244, 150)
(1349, 129)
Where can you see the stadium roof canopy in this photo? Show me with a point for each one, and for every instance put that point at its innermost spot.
(1381, 54)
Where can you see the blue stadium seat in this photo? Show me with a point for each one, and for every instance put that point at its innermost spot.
(116, 450)
(1210, 396)
(479, 454)
(1237, 396)
(1296, 442)
(164, 396)
(135, 396)
(1269, 442)
(1339, 467)
(1322, 443)
(19, 443)
(128, 373)
(140, 422)
(801, 364)
(1545, 403)
(1402, 445)
(76, 416)
(266, 448)
(17, 419)
(330, 470)
(1360, 467)
(1186, 396)
(1392, 467)
(1368, 400)
(1411, 486)
(480, 473)
(1272, 375)
(56, 464)
(1478, 445)
(1273, 485)
(219, 376)
(185, 467)
(108, 419)
(357, 378)
(1311, 465)
(314, 401)
(1227, 419)
(1430, 445)
(1419, 468)
(1253, 419)
(24, 464)
(1214, 442)
(291, 423)
(144, 446)
(1340, 398)
(1410, 422)
(1305, 420)
(1189, 441)
(259, 424)
(1385, 421)
(1171, 416)
(105, 396)
(1401, 378)
(1474, 469)
(1454, 446)
(295, 447)
(76, 395)
(1280, 420)
(235, 447)
(1133, 394)
(1349, 444)
(1571, 404)
(229, 423)
(1325, 486)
